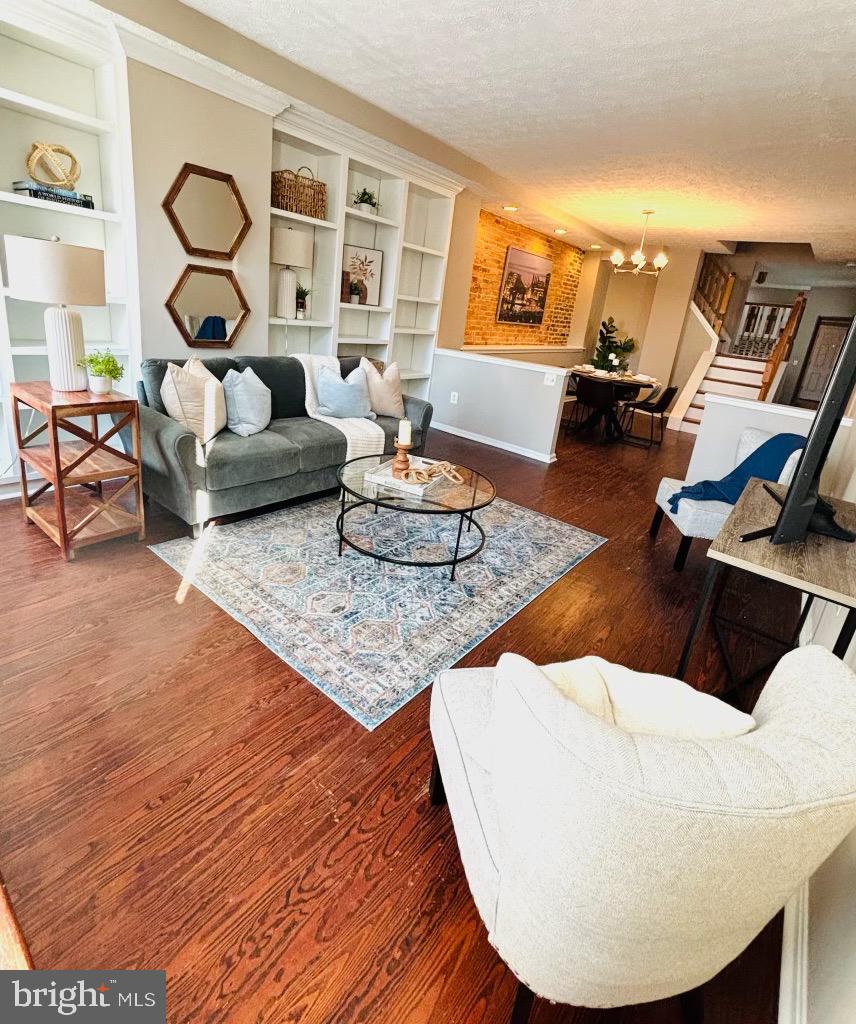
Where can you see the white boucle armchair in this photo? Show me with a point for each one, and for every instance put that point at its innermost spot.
(612, 868)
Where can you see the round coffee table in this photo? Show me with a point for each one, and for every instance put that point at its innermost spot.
(443, 498)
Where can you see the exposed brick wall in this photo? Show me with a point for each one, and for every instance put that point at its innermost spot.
(494, 236)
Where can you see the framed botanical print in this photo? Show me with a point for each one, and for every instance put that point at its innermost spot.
(523, 289)
(365, 267)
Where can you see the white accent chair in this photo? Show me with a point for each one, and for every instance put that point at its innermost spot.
(704, 519)
(613, 869)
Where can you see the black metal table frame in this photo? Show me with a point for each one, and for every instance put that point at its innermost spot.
(389, 502)
(708, 602)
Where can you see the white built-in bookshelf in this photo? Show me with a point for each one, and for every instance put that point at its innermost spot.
(52, 92)
(411, 228)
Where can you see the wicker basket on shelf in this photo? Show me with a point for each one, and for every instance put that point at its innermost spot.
(299, 193)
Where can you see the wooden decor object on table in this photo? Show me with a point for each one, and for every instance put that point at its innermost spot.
(78, 513)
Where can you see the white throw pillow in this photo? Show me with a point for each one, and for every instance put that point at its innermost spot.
(384, 391)
(247, 402)
(643, 702)
(192, 395)
(635, 702)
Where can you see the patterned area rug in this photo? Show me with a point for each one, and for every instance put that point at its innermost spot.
(369, 634)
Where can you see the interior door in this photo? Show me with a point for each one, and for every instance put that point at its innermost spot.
(829, 334)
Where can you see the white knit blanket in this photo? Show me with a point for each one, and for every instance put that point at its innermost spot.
(364, 437)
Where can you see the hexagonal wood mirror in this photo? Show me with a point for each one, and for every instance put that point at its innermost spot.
(207, 212)
(208, 306)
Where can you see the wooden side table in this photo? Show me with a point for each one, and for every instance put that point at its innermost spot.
(77, 513)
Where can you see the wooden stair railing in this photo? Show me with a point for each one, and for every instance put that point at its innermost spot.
(14, 955)
(713, 291)
(782, 348)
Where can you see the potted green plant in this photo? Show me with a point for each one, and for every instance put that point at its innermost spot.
(365, 201)
(354, 289)
(302, 306)
(611, 352)
(103, 370)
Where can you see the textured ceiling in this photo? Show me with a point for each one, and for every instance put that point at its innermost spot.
(733, 120)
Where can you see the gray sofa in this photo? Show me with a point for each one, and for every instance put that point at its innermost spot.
(293, 457)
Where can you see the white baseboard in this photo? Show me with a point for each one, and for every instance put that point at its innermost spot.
(9, 489)
(793, 984)
(527, 453)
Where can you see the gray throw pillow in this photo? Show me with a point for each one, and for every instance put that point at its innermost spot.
(247, 402)
(343, 398)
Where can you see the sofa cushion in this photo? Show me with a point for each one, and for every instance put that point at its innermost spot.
(384, 389)
(320, 444)
(154, 370)
(284, 376)
(693, 518)
(232, 461)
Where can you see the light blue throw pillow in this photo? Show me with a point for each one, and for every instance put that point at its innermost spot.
(343, 398)
(248, 402)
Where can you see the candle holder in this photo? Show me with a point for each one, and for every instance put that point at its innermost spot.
(401, 462)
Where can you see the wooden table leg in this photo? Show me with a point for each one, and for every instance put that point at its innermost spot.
(22, 466)
(99, 484)
(59, 488)
(138, 458)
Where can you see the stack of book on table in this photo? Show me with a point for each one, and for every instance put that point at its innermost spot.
(55, 195)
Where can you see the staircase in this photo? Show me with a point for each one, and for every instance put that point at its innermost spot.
(726, 375)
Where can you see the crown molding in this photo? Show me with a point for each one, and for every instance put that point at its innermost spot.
(325, 130)
(76, 24)
(158, 51)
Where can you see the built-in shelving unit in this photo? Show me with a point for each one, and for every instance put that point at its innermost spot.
(411, 230)
(50, 91)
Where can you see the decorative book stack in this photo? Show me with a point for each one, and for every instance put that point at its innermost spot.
(36, 190)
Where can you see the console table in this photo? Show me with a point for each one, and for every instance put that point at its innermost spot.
(78, 512)
(817, 566)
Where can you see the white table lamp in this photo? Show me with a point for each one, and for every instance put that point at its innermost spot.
(59, 274)
(289, 248)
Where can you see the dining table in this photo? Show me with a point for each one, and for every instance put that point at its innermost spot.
(622, 387)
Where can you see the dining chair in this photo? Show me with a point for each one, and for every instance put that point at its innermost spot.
(596, 401)
(654, 407)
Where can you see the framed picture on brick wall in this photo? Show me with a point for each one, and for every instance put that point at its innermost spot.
(523, 289)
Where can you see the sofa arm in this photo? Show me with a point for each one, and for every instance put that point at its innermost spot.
(173, 463)
(419, 413)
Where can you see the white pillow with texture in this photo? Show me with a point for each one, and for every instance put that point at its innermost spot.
(643, 702)
(384, 391)
(247, 402)
(194, 397)
(635, 702)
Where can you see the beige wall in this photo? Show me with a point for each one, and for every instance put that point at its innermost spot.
(696, 338)
(628, 301)
(668, 311)
(590, 294)
(459, 270)
(172, 122)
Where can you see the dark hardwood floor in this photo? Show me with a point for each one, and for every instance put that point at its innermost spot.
(176, 797)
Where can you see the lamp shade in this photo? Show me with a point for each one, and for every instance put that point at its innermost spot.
(290, 248)
(54, 272)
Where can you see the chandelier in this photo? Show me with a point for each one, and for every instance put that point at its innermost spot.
(638, 259)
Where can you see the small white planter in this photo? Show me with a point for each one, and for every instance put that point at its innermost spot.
(100, 385)
(355, 300)
(366, 208)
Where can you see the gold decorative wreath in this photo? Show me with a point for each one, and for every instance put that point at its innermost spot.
(46, 154)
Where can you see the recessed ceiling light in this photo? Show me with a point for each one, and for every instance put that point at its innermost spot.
(593, 246)
(510, 207)
(560, 231)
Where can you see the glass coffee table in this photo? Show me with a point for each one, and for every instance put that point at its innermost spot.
(442, 498)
